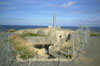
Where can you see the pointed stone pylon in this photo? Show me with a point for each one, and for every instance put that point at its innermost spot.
(54, 20)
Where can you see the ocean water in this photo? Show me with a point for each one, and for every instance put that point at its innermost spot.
(18, 27)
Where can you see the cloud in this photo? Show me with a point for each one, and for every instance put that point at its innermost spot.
(67, 5)
(64, 5)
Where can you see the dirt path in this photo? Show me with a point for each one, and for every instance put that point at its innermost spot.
(91, 57)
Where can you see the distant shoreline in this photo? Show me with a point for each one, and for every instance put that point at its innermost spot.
(18, 27)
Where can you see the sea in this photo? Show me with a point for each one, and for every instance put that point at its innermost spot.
(19, 27)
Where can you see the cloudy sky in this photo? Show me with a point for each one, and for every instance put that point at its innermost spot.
(40, 12)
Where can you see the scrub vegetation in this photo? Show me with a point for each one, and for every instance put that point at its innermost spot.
(21, 47)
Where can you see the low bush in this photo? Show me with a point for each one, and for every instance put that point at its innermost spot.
(11, 30)
(94, 34)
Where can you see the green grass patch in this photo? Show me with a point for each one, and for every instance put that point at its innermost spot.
(31, 34)
(95, 34)
(6, 40)
(25, 53)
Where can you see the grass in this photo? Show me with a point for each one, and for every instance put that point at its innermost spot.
(6, 40)
(21, 47)
(25, 53)
(31, 34)
(95, 34)
(66, 49)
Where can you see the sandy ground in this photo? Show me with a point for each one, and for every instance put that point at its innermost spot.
(91, 57)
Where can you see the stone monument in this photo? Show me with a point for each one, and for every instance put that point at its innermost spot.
(54, 20)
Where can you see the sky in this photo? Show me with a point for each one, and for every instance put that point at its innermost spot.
(40, 12)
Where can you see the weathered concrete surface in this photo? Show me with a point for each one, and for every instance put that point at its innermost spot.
(54, 37)
(38, 40)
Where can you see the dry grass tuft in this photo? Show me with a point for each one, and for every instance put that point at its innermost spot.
(22, 47)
